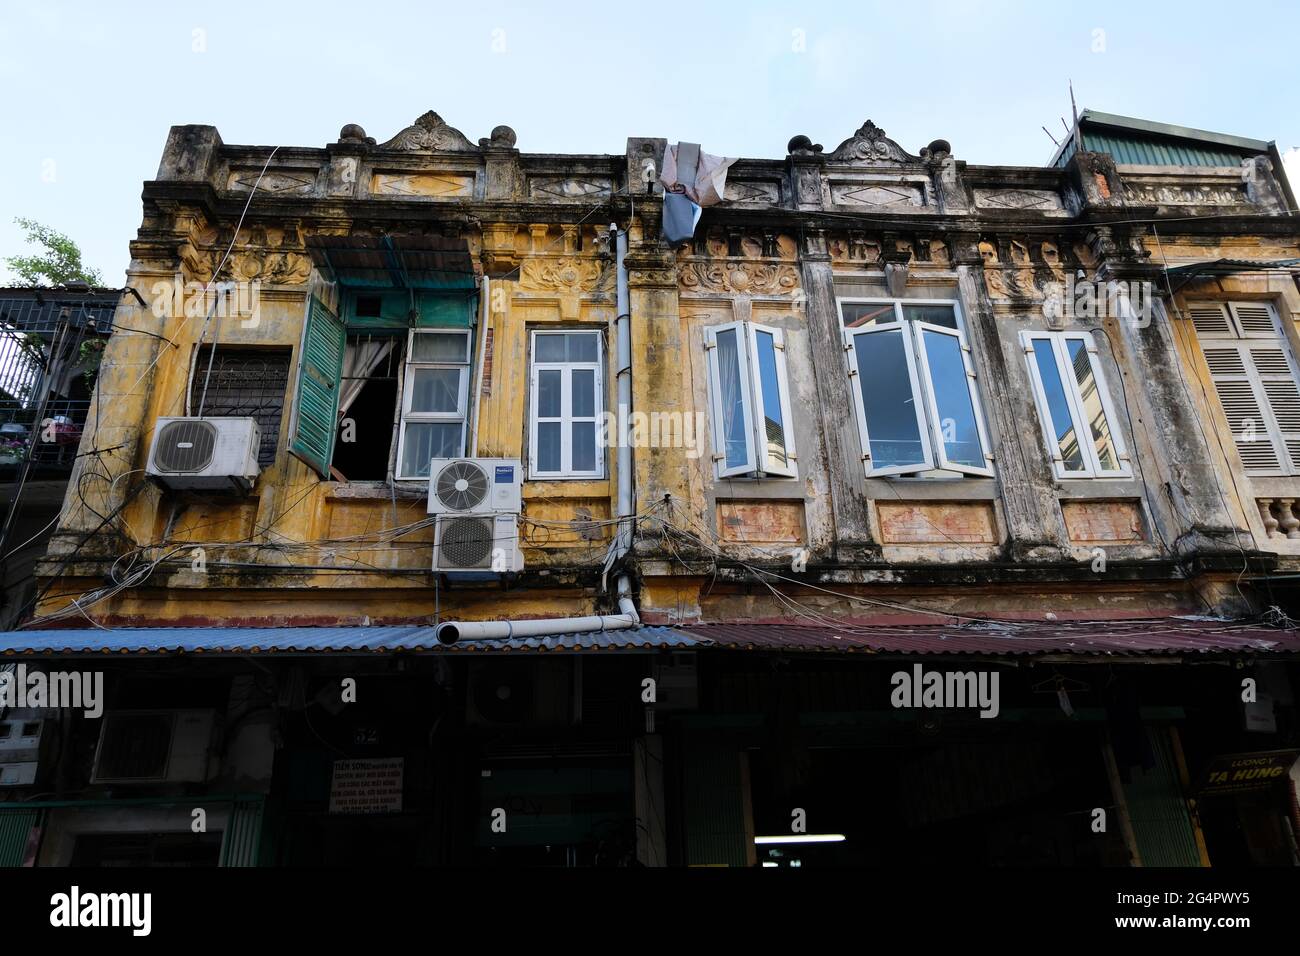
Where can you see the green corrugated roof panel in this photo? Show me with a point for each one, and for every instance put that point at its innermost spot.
(1134, 142)
(1153, 151)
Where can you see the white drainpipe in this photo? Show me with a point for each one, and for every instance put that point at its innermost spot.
(449, 632)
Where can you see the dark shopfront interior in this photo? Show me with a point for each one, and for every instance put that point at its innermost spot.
(955, 799)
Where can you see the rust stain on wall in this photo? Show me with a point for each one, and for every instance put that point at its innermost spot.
(937, 522)
(764, 522)
(1109, 521)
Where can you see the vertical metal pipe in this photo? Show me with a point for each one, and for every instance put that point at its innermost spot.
(623, 327)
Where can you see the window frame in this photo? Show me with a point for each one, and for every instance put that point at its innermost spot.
(1074, 402)
(411, 366)
(924, 399)
(1244, 342)
(270, 451)
(758, 463)
(566, 417)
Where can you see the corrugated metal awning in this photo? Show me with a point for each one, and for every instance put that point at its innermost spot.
(1227, 267)
(394, 262)
(1190, 636)
(298, 640)
(1163, 636)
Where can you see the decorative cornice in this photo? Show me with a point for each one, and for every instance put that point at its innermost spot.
(870, 146)
(430, 133)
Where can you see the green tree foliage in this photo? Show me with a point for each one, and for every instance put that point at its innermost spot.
(59, 263)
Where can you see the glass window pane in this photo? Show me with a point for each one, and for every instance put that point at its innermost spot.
(550, 347)
(887, 399)
(957, 428)
(584, 446)
(773, 420)
(583, 392)
(582, 346)
(425, 440)
(1093, 410)
(435, 390)
(548, 446)
(1058, 407)
(860, 314)
(440, 347)
(735, 436)
(933, 314)
(548, 393)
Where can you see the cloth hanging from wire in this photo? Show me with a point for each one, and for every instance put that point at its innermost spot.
(700, 176)
(692, 179)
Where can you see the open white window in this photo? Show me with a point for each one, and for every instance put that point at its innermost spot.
(1255, 378)
(566, 399)
(1074, 407)
(750, 401)
(435, 395)
(913, 388)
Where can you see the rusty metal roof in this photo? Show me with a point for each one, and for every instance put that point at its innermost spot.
(1095, 639)
(1160, 636)
(308, 640)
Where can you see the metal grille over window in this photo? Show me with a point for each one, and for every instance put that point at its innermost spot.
(1255, 381)
(245, 383)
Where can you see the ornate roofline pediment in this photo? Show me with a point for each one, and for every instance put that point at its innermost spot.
(431, 133)
(868, 146)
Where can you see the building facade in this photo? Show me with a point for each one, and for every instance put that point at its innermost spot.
(885, 424)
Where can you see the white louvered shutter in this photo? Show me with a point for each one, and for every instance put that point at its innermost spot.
(1255, 382)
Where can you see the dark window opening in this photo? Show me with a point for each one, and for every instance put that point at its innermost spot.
(367, 406)
(370, 306)
(244, 383)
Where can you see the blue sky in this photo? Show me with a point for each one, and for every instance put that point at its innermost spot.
(90, 89)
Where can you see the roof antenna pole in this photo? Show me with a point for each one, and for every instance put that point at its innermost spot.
(1074, 109)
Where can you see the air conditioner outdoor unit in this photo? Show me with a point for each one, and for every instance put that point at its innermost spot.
(154, 746)
(531, 693)
(20, 751)
(205, 454)
(477, 545)
(475, 486)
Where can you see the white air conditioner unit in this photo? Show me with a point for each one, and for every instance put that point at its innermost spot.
(478, 544)
(475, 486)
(20, 751)
(205, 454)
(154, 746)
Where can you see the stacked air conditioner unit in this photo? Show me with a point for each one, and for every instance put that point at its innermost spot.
(205, 454)
(20, 751)
(477, 502)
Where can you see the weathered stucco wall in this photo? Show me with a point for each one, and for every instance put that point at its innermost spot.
(794, 237)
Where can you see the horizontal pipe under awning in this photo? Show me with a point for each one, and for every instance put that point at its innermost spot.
(1172, 638)
(310, 640)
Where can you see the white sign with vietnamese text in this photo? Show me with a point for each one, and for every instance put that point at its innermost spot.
(367, 786)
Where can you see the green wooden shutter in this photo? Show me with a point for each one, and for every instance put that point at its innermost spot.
(1162, 825)
(241, 842)
(316, 403)
(15, 829)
